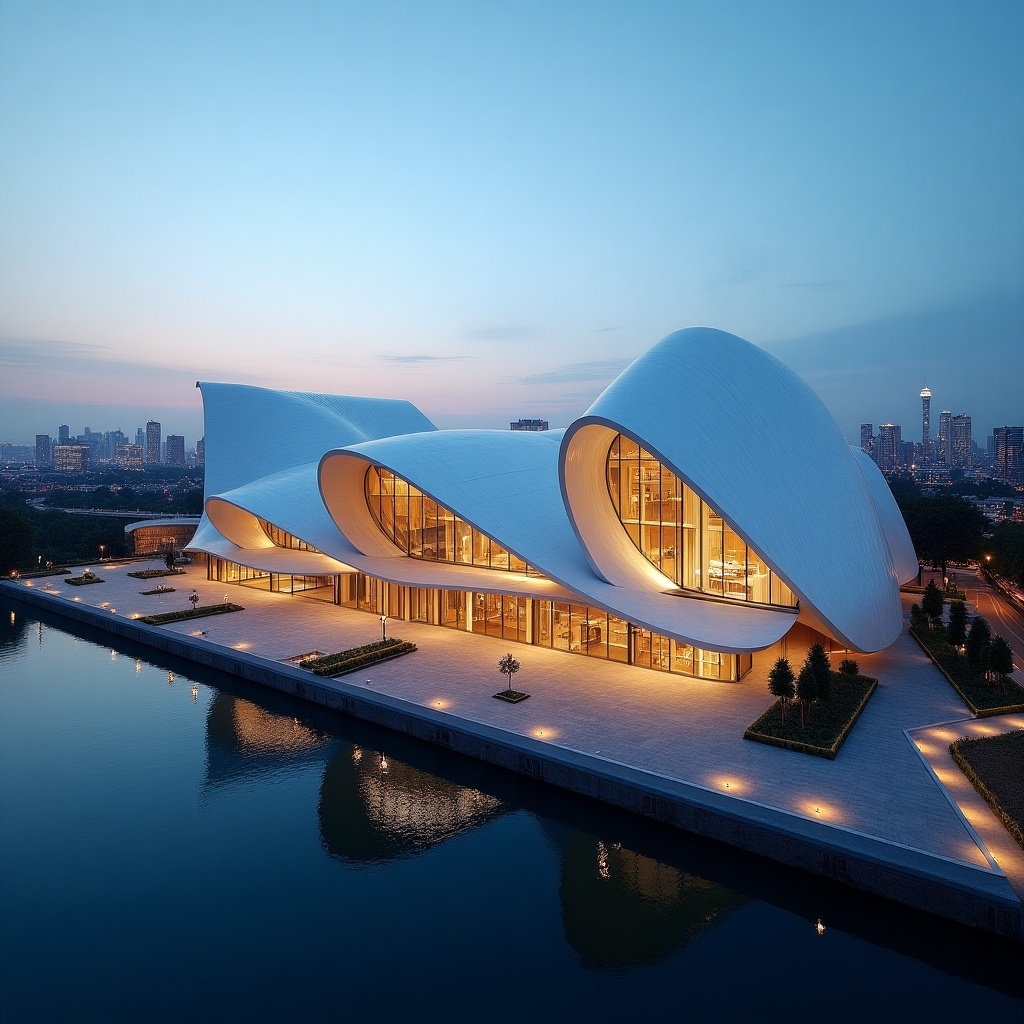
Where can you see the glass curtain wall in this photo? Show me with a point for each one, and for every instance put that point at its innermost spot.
(682, 535)
(424, 529)
(284, 539)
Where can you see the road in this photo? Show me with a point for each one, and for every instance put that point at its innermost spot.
(1004, 620)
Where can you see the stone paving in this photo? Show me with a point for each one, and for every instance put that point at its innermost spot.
(683, 729)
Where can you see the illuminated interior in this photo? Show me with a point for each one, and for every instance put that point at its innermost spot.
(682, 535)
(424, 529)
(284, 539)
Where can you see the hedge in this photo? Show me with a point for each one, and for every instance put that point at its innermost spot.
(1002, 776)
(359, 657)
(190, 613)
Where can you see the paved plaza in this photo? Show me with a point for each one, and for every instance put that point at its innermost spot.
(893, 779)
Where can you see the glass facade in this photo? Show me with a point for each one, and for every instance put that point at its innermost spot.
(682, 535)
(424, 529)
(284, 539)
(558, 625)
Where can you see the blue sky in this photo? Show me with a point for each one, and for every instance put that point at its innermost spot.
(489, 208)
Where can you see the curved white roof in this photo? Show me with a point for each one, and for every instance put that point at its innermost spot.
(739, 427)
(752, 439)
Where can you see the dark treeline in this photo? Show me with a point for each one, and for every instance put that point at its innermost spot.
(188, 502)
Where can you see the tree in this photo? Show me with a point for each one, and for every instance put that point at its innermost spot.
(169, 557)
(931, 603)
(978, 637)
(848, 667)
(817, 658)
(16, 537)
(1000, 660)
(509, 666)
(781, 683)
(1007, 551)
(956, 629)
(806, 688)
(944, 529)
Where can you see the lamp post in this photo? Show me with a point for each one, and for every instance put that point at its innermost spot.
(383, 627)
(103, 548)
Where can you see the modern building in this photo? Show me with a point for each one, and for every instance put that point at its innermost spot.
(129, 456)
(889, 447)
(680, 537)
(72, 458)
(152, 442)
(1008, 443)
(42, 451)
(529, 425)
(944, 441)
(140, 438)
(155, 536)
(175, 451)
(961, 442)
(63, 433)
(867, 438)
(201, 451)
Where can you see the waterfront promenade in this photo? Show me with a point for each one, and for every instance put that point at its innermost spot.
(886, 815)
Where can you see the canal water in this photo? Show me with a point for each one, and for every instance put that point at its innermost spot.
(176, 844)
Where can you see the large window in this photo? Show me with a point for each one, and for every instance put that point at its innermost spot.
(424, 529)
(284, 539)
(684, 536)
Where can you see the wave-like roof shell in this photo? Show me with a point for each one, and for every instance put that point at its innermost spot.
(752, 439)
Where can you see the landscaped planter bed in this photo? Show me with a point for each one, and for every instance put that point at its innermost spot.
(157, 590)
(826, 725)
(359, 657)
(994, 765)
(981, 696)
(83, 581)
(152, 574)
(190, 613)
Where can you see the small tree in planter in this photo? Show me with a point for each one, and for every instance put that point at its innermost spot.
(817, 658)
(806, 689)
(1000, 660)
(931, 603)
(978, 637)
(169, 558)
(956, 628)
(848, 667)
(782, 683)
(509, 666)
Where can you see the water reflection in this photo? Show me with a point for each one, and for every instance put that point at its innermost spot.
(244, 740)
(13, 632)
(376, 808)
(623, 909)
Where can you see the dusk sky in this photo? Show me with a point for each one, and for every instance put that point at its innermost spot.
(491, 208)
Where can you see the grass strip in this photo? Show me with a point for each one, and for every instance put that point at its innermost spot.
(190, 613)
(969, 682)
(994, 766)
(827, 723)
(359, 657)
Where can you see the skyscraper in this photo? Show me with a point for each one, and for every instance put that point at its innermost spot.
(152, 442)
(140, 437)
(961, 441)
(1009, 448)
(42, 451)
(201, 452)
(867, 437)
(175, 451)
(944, 441)
(890, 447)
(926, 424)
(64, 433)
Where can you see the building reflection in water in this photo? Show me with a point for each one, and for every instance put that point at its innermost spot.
(620, 908)
(245, 740)
(623, 909)
(376, 808)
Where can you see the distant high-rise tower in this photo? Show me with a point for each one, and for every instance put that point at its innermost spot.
(175, 452)
(64, 433)
(152, 442)
(944, 441)
(1009, 448)
(201, 451)
(140, 437)
(42, 451)
(890, 447)
(926, 424)
(867, 438)
(961, 441)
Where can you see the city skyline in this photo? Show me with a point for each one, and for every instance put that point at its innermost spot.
(492, 211)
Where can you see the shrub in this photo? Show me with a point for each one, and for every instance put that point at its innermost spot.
(848, 667)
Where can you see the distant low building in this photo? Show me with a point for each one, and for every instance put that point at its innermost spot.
(153, 536)
(128, 456)
(529, 425)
